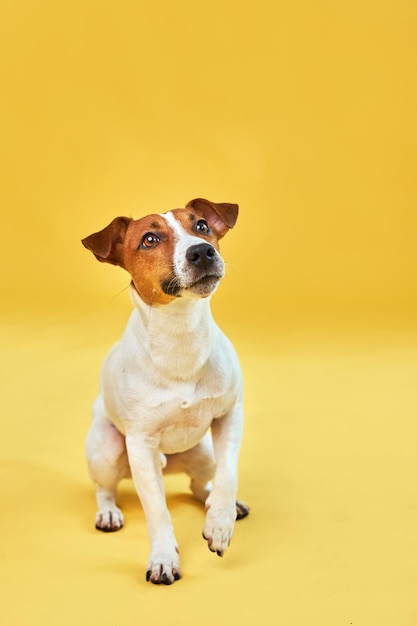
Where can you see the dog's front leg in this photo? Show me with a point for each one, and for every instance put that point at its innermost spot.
(145, 464)
(221, 503)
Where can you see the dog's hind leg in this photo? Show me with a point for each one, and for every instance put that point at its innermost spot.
(199, 464)
(107, 464)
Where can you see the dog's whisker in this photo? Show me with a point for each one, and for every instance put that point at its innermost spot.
(174, 282)
(228, 265)
(119, 293)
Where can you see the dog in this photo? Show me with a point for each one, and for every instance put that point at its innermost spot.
(171, 390)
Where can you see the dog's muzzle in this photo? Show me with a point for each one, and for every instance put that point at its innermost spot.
(204, 269)
(199, 274)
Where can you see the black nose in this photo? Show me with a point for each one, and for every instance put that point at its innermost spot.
(202, 255)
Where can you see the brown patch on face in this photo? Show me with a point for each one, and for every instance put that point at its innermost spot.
(221, 215)
(147, 255)
(189, 219)
(146, 247)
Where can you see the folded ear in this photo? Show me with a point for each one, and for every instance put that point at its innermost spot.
(106, 245)
(221, 216)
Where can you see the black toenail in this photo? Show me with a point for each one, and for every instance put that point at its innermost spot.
(166, 580)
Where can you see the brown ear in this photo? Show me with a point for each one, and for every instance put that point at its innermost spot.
(221, 216)
(106, 244)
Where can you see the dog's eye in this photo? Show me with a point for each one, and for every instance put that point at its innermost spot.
(202, 227)
(150, 240)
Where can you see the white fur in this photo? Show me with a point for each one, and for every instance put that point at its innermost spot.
(172, 377)
(185, 241)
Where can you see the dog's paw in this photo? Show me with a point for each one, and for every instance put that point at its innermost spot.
(218, 531)
(218, 538)
(242, 509)
(163, 569)
(109, 520)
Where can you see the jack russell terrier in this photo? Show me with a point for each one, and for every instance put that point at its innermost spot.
(171, 390)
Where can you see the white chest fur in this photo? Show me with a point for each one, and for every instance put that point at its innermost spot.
(172, 373)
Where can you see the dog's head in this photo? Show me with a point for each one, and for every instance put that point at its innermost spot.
(170, 255)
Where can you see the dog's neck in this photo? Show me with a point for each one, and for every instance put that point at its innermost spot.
(178, 335)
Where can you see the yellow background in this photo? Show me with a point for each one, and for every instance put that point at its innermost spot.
(305, 114)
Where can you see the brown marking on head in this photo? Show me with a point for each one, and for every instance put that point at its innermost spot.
(145, 247)
(220, 216)
(150, 264)
(128, 243)
(189, 221)
(106, 245)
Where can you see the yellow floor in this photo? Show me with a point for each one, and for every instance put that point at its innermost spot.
(328, 467)
(304, 113)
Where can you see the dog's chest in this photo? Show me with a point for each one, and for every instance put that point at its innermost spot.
(175, 414)
(183, 422)
(184, 414)
(145, 389)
